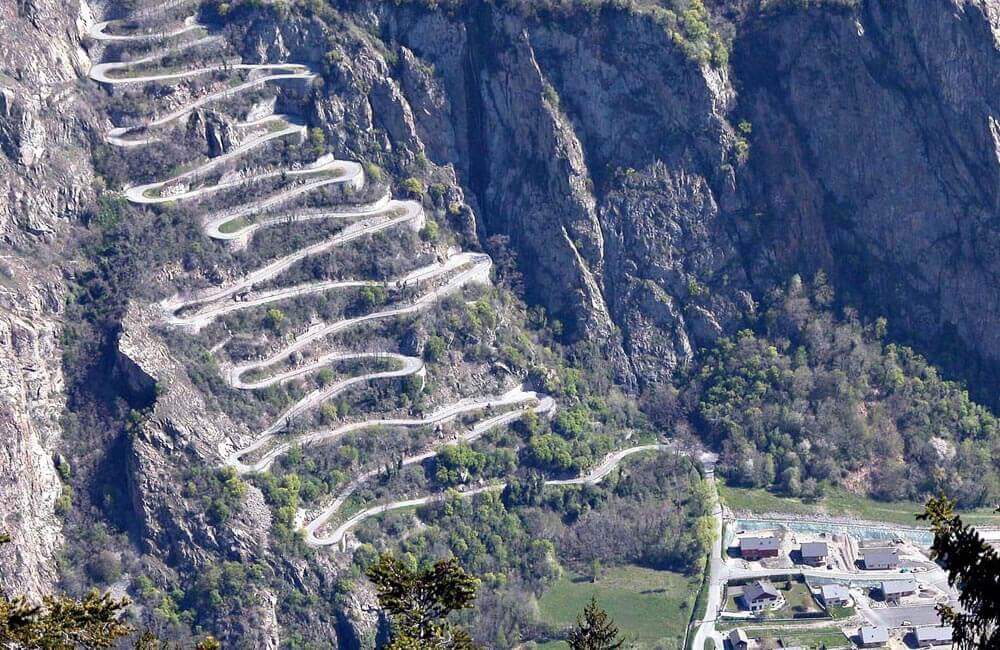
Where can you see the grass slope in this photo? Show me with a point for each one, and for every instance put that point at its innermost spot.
(829, 637)
(649, 606)
(839, 503)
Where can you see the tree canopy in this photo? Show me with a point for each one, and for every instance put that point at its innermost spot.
(419, 602)
(61, 622)
(808, 398)
(595, 630)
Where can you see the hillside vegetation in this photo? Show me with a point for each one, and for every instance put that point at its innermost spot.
(805, 399)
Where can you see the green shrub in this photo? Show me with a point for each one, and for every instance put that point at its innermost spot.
(437, 190)
(434, 349)
(742, 149)
(63, 467)
(457, 464)
(373, 296)
(373, 172)
(111, 209)
(430, 231)
(414, 187)
(317, 140)
(549, 452)
(274, 318)
(550, 94)
(65, 501)
(572, 423)
(324, 378)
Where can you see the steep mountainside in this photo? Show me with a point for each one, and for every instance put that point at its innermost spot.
(45, 184)
(613, 161)
(288, 284)
(603, 152)
(876, 155)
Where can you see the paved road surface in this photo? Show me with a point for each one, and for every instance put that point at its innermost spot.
(441, 416)
(444, 277)
(716, 577)
(315, 538)
(98, 32)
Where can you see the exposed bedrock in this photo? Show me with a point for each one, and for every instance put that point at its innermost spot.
(45, 184)
(611, 161)
(602, 152)
(876, 154)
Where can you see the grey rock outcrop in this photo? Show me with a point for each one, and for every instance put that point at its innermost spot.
(609, 158)
(45, 183)
(212, 130)
(666, 243)
(603, 154)
(31, 396)
(182, 430)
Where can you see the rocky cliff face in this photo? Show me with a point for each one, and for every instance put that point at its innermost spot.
(610, 159)
(182, 432)
(604, 152)
(592, 142)
(875, 156)
(30, 401)
(45, 183)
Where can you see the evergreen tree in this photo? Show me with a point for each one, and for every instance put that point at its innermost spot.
(419, 602)
(62, 623)
(974, 566)
(595, 630)
(149, 641)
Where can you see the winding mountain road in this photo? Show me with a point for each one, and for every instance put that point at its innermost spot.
(103, 72)
(314, 536)
(238, 224)
(116, 135)
(98, 32)
(334, 171)
(291, 127)
(441, 416)
(221, 300)
(478, 272)
(243, 231)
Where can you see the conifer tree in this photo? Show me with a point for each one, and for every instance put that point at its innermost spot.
(419, 602)
(974, 567)
(595, 630)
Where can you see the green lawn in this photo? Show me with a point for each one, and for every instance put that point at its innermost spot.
(730, 604)
(233, 225)
(649, 605)
(831, 637)
(837, 611)
(798, 599)
(838, 502)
